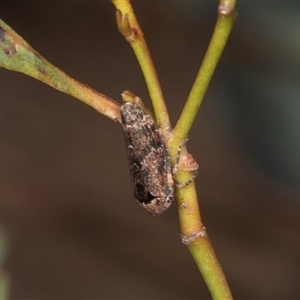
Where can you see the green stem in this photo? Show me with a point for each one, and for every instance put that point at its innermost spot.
(218, 41)
(193, 234)
(206, 260)
(191, 226)
(17, 55)
(130, 29)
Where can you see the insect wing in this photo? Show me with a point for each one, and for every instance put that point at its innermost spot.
(149, 160)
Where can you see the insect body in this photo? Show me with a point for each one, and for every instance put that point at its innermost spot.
(149, 160)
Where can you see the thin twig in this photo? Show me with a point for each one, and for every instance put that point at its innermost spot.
(130, 29)
(17, 55)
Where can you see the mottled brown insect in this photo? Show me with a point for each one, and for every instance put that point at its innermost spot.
(149, 160)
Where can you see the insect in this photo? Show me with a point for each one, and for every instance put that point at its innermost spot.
(149, 160)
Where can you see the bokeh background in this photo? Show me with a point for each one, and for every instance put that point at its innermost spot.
(70, 226)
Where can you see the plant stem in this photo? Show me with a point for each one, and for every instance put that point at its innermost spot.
(17, 55)
(130, 29)
(192, 229)
(226, 18)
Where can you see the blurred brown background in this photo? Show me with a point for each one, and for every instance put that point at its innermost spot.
(72, 227)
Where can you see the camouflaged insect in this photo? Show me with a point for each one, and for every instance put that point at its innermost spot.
(149, 160)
